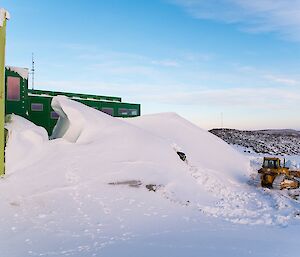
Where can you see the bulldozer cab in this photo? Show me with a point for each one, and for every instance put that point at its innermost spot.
(271, 163)
(273, 175)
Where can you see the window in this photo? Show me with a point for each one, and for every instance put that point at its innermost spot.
(271, 164)
(123, 111)
(109, 111)
(13, 89)
(54, 115)
(37, 107)
(133, 112)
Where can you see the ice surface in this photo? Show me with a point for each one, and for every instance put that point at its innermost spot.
(84, 193)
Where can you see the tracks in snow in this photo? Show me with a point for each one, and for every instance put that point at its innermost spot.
(244, 204)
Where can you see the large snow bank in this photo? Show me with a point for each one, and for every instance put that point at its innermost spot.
(86, 189)
(104, 148)
(123, 150)
(113, 150)
(203, 149)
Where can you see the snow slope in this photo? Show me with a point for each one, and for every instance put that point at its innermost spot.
(86, 193)
(202, 149)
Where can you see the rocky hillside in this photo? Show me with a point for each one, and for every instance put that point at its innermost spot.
(277, 142)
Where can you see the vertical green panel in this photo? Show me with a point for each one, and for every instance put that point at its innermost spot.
(40, 117)
(2, 94)
(18, 107)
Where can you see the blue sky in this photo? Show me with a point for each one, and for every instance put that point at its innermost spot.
(195, 57)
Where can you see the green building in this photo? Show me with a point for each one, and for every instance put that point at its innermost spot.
(35, 105)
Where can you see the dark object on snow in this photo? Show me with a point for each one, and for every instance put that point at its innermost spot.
(182, 156)
(151, 187)
(131, 183)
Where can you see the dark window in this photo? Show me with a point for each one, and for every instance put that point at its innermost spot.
(13, 89)
(271, 164)
(54, 115)
(123, 111)
(109, 111)
(37, 107)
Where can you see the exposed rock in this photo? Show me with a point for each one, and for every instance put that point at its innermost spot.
(276, 142)
(152, 187)
(182, 156)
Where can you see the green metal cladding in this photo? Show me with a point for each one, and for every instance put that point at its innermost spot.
(35, 105)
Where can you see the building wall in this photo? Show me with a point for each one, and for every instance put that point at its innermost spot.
(41, 113)
(35, 105)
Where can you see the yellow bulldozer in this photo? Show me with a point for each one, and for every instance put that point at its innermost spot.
(277, 176)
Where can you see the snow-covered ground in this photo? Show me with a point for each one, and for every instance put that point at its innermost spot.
(116, 187)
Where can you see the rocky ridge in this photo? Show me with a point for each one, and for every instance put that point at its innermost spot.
(275, 142)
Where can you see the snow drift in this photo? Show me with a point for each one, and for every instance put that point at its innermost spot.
(202, 149)
(25, 141)
(84, 124)
(104, 179)
(125, 150)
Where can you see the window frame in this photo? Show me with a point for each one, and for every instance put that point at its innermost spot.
(53, 115)
(13, 99)
(108, 108)
(133, 110)
(123, 113)
(37, 109)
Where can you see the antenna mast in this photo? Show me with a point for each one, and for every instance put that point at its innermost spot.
(32, 72)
